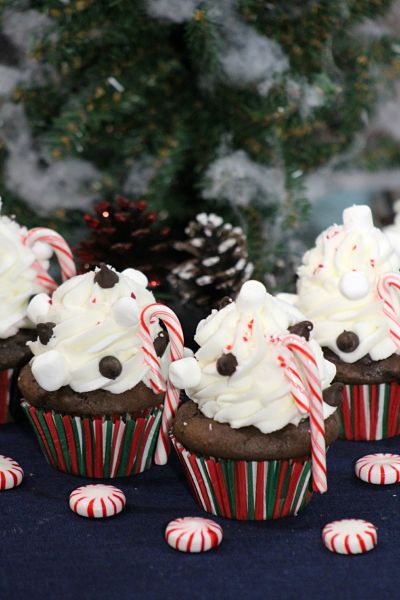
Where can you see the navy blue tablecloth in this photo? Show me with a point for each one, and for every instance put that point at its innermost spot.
(47, 551)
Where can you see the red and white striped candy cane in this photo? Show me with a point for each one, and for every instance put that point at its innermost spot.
(384, 289)
(296, 384)
(301, 352)
(157, 380)
(61, 249)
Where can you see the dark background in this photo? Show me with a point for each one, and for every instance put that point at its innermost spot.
(49, 552)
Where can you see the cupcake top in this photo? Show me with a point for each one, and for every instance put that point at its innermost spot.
(337, 287)
(18, 277)
(241, 377)
(88, 332)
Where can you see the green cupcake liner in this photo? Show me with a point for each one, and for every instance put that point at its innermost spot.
(247, 490)
(370, 412)
(96, 446)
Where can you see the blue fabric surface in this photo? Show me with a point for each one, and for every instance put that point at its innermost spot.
(49, 552)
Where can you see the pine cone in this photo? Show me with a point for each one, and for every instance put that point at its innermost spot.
(125, 234)
(218, 263)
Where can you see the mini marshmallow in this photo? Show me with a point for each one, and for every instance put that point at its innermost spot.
(252, 293)
(185, 373)
(357, 216)
(38, 307)
(42, 251)
(137, 276)
(354, 285)
(50, 370)
(125, 312)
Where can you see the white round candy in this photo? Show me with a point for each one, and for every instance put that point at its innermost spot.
(137, 276)
(11, 473)
(187, 352)
(50, 370)
(38, 307)
(350, 536)
(42, 251)
(379, 469)
(354, 285)
(97, 501)
(185, 373)
(125, 312)
(193, 534)
(252, 293)
(357, 216)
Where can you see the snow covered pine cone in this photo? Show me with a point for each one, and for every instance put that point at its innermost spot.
(217, 264)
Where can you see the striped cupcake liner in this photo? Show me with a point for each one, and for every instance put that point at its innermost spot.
(97, 446)
(247, 490)
(7, 393)
(370, 412)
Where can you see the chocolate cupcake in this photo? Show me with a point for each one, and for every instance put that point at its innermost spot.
(347, 288)
(244, 436)
(22, 270)
(87, 391)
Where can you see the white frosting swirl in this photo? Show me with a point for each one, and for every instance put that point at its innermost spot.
(17, 277)
(92, 322)
(337, 286)
(258, 392)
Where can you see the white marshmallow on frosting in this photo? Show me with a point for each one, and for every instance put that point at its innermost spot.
(50, 370)
(38, 308)
(137, 276)
(354, 285)
(252, 293)
(337, 285)
(185, 373)
(42, 251)
(126, 312)
(358, 215)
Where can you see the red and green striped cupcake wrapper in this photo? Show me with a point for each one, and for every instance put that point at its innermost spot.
(97, 446)
(6, 391)
(247, 490)
(370, 412)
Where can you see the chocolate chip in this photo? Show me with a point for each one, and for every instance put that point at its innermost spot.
(347, 341)
(106, 277)
(160, 343)
(333, 395)
(303, 328)
(224, 302)
(110, 367)
(226, 364)
(45, 332)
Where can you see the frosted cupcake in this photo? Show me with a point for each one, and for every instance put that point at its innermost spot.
(24, 262)
(347, 288)
(88, 389)
(244, 436)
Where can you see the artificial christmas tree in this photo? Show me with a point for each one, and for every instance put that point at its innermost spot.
(192, 103)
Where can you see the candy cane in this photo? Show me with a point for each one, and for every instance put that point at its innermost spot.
(302, 354)
(298, 391)
(61, 249)
(383, 288)
(157, 380)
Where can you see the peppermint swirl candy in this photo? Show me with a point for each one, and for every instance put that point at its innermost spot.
(242, 365)
(337, 287)
(88, 332)
(18, 282)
